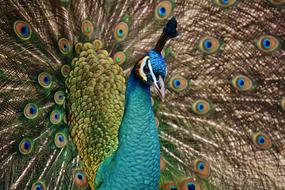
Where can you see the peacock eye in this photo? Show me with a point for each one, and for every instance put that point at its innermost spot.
(40, 185)
(146, 68)
(143, 68)
(23, 30)
(201, 168)
(261, 140)
(225, 3)
(268, 44)
(79, 178)
(277, 2)
(189, 184)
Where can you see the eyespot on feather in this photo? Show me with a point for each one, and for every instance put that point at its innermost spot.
(163, 10)
(55, 117)
(242, 83)
(87, 28)
(121, 31)
(268, 43)
(45, 80)
(201, 107)
(201, 168)
(277, 2)
(178, 83)
(119, 58)
(169, 186)
(225, 3)
(79, 178)
(189, 184)
(31, 111)
(209, 45)
(261, 140)
(59, 97)
(65, 70)
(39, 185)
(26, 146)
(60, 139)
(23, 30)
(64, 46)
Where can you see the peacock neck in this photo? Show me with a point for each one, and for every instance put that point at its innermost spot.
(138, 109)
(138, 138)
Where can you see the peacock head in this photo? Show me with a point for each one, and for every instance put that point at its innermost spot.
(152, 70)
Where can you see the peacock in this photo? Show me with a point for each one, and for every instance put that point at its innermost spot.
(142, 94)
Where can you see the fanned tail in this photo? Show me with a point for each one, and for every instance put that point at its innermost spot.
(221, 124)
(41, 43)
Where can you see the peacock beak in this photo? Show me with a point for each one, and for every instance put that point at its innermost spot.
(159, 86)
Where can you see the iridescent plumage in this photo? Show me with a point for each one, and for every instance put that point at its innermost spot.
(63, 69)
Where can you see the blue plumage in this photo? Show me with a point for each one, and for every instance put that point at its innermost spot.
(135, 165)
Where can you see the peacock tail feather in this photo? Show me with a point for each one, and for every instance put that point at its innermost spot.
(63, 65)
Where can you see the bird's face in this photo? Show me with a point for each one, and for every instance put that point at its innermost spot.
(152, 70)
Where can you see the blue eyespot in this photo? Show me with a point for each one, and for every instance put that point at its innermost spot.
(45, 80)
(208, 44)
(33, 110)
(120, 32)
(173, 188)
(79, 176)
(201, 166)
(25, 31)
(176, 83)
(56, 117)
(38, 187)
(65, 47)
(266, 43)
(240, 83)
(261, 140)
(225, 2)
(162, 11)
(27, 145)
(200, 107)
(60, 138)
(191, 186)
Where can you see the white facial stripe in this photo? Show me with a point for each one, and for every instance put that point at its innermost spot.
(151, 73)
(142, 74)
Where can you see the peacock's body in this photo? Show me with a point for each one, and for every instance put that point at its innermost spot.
(76, 110)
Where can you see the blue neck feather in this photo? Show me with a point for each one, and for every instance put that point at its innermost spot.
(137, 158)
(136, 163)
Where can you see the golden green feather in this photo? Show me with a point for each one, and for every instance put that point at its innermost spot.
(96, 102)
